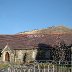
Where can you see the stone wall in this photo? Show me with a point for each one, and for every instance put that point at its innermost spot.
(25, 55)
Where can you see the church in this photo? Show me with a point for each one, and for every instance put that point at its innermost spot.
(46, 44)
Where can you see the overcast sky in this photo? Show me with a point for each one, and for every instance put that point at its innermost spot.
(23, 15)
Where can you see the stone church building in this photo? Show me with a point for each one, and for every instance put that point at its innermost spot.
(18, 55)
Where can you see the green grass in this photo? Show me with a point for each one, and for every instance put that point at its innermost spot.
(3, 65)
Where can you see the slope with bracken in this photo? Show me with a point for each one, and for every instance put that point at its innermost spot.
(52, 36)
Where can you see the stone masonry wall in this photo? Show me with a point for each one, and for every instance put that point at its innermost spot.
(30, 55)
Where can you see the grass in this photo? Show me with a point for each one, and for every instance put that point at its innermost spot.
(60, 68)
(2, 65)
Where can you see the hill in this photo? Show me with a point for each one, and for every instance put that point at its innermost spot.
(51, 30)
(52, 36)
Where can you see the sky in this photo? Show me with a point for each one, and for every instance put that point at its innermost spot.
(26, 15)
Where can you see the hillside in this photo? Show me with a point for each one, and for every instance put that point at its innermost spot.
(52, 36)
(50, 30)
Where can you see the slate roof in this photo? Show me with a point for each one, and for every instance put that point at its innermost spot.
(28, 41)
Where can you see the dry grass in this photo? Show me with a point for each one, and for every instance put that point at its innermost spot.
(2, 65)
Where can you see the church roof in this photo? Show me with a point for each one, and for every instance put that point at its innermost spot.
(28, 41)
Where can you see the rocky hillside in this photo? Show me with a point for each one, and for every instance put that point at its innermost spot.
(51, 30)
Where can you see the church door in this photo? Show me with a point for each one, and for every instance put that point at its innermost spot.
(7, 57)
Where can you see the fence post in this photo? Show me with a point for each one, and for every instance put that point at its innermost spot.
(9, 69)
(28, 70)
(44, 68)
(20, 71)
(48, 68)
(14, 69)
(34, 68)
(24, 70)
(53, 68)
(38, 68)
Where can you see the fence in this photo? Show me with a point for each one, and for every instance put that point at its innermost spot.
(39, 67)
